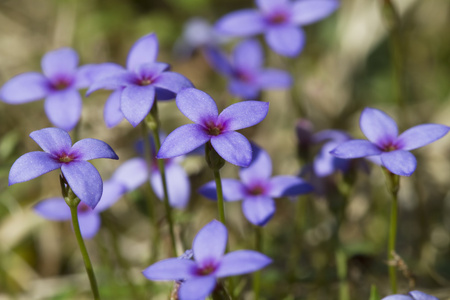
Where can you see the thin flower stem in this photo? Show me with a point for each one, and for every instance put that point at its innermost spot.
(257, 275)
(393, 185)
(220, 205)
(153, 123)
(84, 253)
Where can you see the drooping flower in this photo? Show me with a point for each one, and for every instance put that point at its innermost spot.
(137, 86)
(56, 209)
(200, 108)
(82, 177)
(59, 85)
(414, 295)
(136, 171)
(279, 21)
(257, 188)
(385, 144)
(246, 75)
(200, 275)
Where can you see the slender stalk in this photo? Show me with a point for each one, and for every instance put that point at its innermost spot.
(257, 275)
(341, 264)
(220, 205)
(393, 185)
(153, 123)
(84, 253)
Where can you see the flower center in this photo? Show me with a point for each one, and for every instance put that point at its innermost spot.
(61, 84)
(145, 81)
(389, 146)
(82, 208)
(214, 129)
(243, 76)
(66, 158)
(278, 18)
(207, 269)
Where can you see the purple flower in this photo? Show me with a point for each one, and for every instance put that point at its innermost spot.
(200, 108)
(257, 189)
(59, 153)
(279, 21)
(385, 143)
(414, 295)
(209, 263)
(244, 70)
(137, 86)
(58, 84)
(56, 209)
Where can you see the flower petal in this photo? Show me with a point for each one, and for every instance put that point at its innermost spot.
(63, 61)
(178, 186)
(284, 186)
(417, 295)
(242, 262)
(145, 50)
(24, 88)
(183, 140)
(136, 102)
(378, 127)
(399, 162)
(421, 135)
(32, 165)
(196, 105)
(274, 79)
(112, 191)
(87, 149)
(286, 40)
(112, 82)
(112, 113)
(233, 147)
(397, 297)
(244, 22)
(84, 180)
(132, 173)
(270, 5)
(324, 162)
(170, 269)
(172, 81)
(259, 168)
(310, 11)
(356, 149)
(210, 242)
(89, 224)
(331, 134)
(63, 108)
(232, 190)
(55, 209)
(243, 114)
(248, 54)
(52, 140)
(258, 209)
(218, 60)
(244, 89)
(197, 288)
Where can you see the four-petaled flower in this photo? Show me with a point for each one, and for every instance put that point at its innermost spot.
(137, 86)
(279, 21)
(82, 176)
(245, 72)
(56, 209)
(58, 84)
(385, 143)
(414, 295)
(257, 189)
(200, 108)
(199, 275)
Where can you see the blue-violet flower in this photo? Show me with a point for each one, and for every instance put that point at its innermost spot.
(414, 295)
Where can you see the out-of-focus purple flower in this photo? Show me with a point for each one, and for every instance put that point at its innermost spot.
(200, 275)
(200, 108)
(59, 84)
(137, 86)
(197, 34)
(279, 21)
(325, 163)
(257, 189)
(414, 295)
(82, 176)
(244, 70)
(385, 143)
(56, 209)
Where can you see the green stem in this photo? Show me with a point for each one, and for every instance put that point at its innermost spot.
(153, 123)
(84, 253)
(257, 275)
(393, 185)
(220, 205)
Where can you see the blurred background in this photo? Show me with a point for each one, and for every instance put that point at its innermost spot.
(363, 55)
